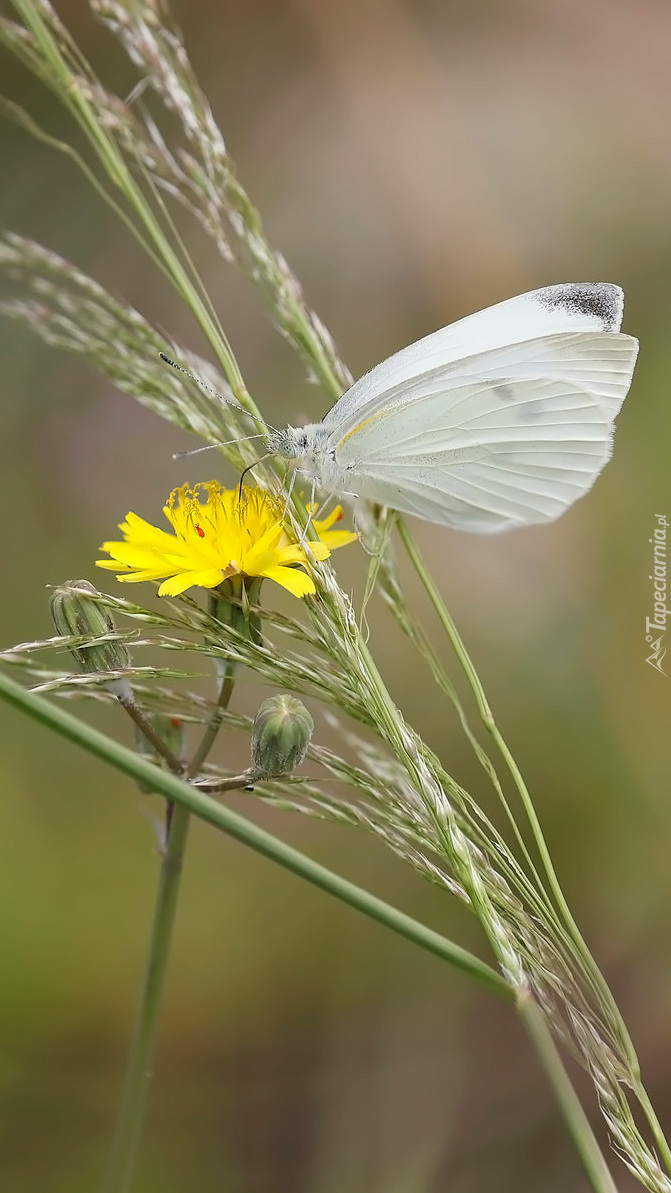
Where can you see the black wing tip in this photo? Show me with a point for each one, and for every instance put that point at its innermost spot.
(604, 301)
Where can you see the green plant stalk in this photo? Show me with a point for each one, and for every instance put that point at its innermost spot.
(135, 1093)
(210, 734)
(146, 728)
(534, 891)
(653, 1123)
(189, 800)
(135, 1090)
(565, 1095)
(591, 969)
(236, 826)
(530, 1013)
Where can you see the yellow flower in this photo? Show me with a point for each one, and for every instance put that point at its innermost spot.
(216, 536)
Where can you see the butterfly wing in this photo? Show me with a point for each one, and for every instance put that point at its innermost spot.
(513, 334)
(511, 437)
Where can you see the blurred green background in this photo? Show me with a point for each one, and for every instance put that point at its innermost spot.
(414, 162)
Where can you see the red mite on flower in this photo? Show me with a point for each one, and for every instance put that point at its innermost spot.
(218, 533)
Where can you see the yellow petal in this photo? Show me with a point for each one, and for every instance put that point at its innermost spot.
(338, 538)
(177, 584)
(293, 579)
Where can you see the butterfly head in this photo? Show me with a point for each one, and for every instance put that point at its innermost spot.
(290, 444)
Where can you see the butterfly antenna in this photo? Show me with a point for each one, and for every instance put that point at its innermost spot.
(193, 451)
(215, 393)
(249, 469)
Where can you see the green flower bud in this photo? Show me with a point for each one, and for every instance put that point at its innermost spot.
(280, 736)
(75, 614)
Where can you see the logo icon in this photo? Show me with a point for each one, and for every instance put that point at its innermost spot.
(658, 652)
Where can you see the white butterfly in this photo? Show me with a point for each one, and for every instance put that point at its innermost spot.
(500, 420)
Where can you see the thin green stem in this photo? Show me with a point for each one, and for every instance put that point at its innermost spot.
(147, 729)
(472, 676)
(139, 1068)
(572, 1112)
(223, 818)
(135, 1091)
(210, 735)
(533, 891)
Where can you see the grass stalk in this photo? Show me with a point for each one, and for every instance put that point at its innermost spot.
(572, 1112)
(157, 246)
(591, 969)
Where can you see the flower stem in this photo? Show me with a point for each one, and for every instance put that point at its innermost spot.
(139, 1068)
(138, 718)
(210, 735)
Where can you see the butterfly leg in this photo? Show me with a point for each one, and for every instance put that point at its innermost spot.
(292, 482)
(302, 472)
(311, 510)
